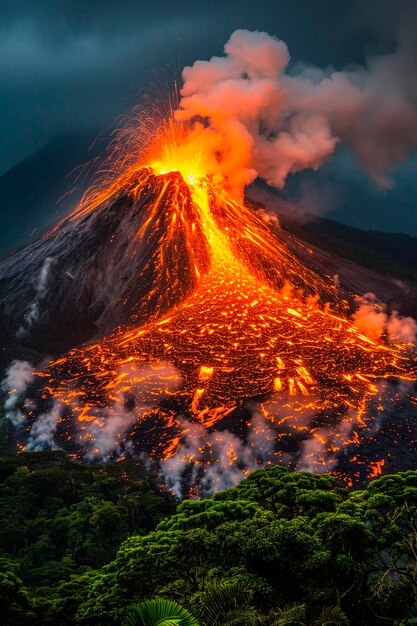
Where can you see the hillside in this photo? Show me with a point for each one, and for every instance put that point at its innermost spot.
(30, 191)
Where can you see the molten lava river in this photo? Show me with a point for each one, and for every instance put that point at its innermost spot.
(239, 356)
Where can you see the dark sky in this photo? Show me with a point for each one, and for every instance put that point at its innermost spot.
(78, 64)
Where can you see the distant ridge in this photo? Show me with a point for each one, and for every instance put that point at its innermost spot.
(30, 190)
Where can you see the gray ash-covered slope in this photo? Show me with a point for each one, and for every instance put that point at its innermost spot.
(94, 272)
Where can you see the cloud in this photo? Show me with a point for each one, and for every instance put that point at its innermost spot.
(270, 122)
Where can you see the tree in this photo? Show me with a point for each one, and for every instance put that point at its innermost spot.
(107, 521)
(15, 604)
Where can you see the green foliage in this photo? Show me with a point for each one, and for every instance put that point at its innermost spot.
(331, 616)
(290, 615)
(160, 612)
(15, 604)
(411, 617)
(227, 602)
(81, 545)
(59, 518)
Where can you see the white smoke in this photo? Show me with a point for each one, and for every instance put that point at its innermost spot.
(320, 452)
(269, 217)
(100, 431)
(373, 320)
(270, 122)
(103, 431)
(41, 289)
(18, 377)
(222, 458)
(42, 433)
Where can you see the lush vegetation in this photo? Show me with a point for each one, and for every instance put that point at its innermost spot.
(92, 545)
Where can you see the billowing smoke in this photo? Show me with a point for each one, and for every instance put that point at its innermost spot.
(217, 460)
(42, 433)
(19, 376)
(41, 289)
(271, 121)
(281, 429)
(319, 452)
(373, 320)
(100, 431)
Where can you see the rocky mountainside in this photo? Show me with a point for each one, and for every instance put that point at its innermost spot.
(90, 274)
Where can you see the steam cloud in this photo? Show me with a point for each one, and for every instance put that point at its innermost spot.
(224, 458)
(102, 430)
(18, 377)
(149, 383)
(271, 122)
(373, 320)
(279, 430)
(41, 289)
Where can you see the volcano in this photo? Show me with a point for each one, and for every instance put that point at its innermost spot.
(189, 332)
(135, 258)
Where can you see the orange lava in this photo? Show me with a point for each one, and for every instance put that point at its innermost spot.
(231, 314)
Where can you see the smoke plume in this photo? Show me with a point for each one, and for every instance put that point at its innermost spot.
(373, 320)
(271, 121)
(41, 289)
(18, 377)
(217, 460)
(105, 429)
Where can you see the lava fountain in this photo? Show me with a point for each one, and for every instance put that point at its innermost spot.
(237, 345)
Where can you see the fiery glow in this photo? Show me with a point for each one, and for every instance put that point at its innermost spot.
(231, 315)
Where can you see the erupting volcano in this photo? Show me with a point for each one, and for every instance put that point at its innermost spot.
(232, 343)
(198, 339)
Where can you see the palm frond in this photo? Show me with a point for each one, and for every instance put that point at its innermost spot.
(289, 615)
(221, 598)
(332, 616)
(246, 616)
(160, 612)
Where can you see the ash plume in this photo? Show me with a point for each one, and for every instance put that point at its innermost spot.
(269, 119)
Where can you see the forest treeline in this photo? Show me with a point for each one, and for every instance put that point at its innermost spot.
(86, 544)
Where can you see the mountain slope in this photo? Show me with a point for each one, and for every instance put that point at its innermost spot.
(29, 192)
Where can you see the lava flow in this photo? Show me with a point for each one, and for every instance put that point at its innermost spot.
(237, 344)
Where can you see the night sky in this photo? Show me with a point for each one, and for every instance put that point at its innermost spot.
(74, 66)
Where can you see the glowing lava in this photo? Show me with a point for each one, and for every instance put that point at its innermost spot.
(230, 314)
